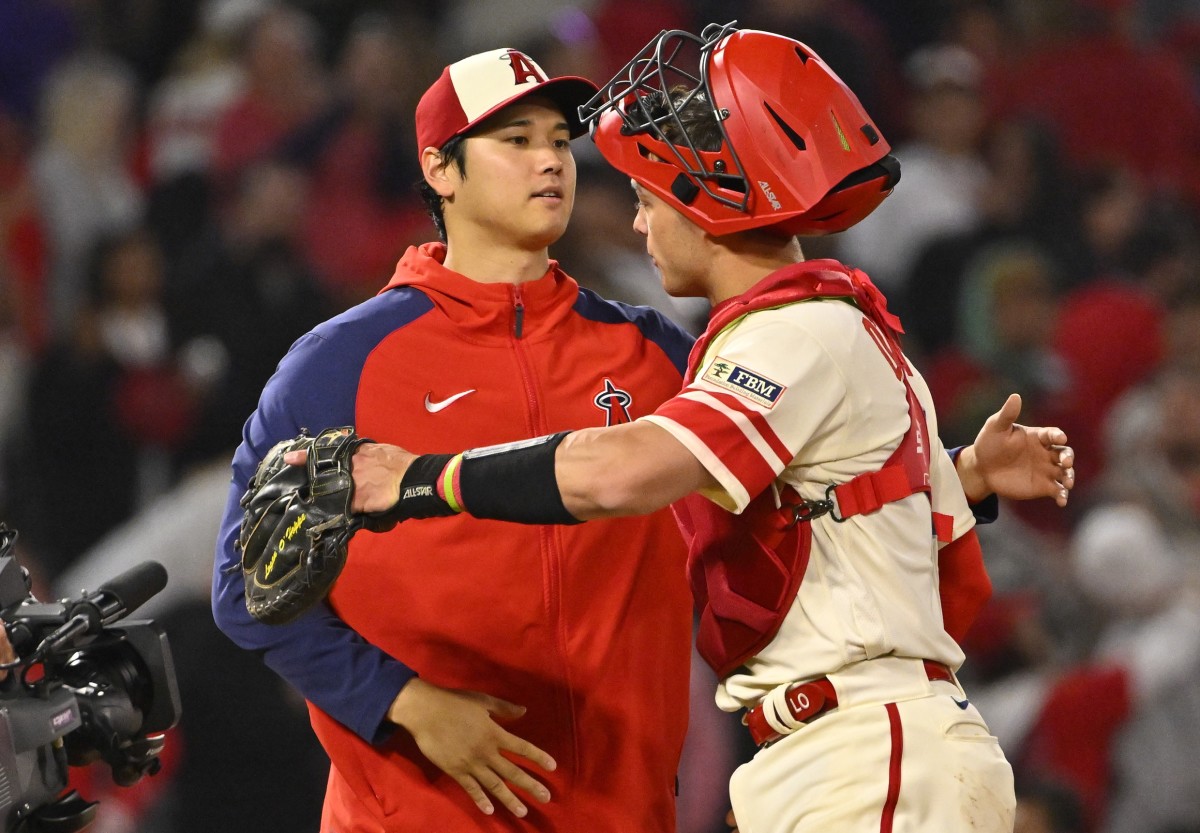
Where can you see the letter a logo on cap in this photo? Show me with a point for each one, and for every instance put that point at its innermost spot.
(470, 90)
(524, 68)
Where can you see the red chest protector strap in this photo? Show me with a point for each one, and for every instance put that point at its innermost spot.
(746, 569)
(905, 473)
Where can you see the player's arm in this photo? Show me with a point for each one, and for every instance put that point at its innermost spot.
(629, 469)
(639, 467)
(318, 654)
(334, 667)
(1015, 461)
(964, 586)
(371, 693)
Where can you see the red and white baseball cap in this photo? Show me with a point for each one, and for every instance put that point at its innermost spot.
(469, 91)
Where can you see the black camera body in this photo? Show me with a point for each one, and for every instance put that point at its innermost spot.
(86, 685)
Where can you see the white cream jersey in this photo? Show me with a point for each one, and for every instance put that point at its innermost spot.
(802, 395)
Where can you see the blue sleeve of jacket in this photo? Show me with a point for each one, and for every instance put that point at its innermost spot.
(332, 666)
(672, 339)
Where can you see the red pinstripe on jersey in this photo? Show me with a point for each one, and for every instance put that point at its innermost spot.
(893, 792)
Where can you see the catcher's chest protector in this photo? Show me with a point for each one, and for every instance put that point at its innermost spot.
(745, 570)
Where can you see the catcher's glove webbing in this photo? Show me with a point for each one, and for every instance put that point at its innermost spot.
(297, 525)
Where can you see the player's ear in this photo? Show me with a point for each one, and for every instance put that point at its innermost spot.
(436, 170)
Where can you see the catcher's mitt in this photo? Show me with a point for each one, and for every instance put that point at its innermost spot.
(297, 525)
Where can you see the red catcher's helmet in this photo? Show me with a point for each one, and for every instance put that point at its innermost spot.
(798, 153)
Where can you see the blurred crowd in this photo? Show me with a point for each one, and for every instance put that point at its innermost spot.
(186, 186)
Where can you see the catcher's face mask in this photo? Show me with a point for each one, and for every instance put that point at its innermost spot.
(797, 151)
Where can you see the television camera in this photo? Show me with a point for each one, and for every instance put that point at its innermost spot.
(85, 685)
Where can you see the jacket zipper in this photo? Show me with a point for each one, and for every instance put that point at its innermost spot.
(518, 311)
(534, 411)
(549, 534)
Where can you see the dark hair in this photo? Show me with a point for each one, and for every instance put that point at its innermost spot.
(454, 152)
(695, 116)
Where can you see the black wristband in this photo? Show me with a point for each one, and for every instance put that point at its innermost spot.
(514, 482)
(418, 489)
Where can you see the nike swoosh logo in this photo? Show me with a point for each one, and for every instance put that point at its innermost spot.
(434, 407)
(962, 704)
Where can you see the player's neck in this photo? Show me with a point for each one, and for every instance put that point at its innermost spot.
(744, 260)
(496, 264)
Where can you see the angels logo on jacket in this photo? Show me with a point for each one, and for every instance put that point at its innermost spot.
(615, 404)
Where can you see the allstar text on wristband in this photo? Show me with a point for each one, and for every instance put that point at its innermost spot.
(509, 482)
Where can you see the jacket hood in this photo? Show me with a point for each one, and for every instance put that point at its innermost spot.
(527, 310)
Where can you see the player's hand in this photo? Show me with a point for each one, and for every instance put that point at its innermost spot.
(457, 731)
(1017, 462)
(731, 821)
(7, 653)
(377, 468)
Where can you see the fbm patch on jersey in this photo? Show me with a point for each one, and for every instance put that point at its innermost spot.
(746, 383)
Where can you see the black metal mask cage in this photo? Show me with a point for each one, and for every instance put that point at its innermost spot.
(646, 84)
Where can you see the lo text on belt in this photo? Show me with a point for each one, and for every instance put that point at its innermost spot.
(808, 701)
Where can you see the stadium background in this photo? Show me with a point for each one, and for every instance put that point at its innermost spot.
(187, 185)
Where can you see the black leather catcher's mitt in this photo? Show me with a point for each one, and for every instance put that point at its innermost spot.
(297, 525)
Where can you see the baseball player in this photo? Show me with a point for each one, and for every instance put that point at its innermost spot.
(832, 553)
(463, 666)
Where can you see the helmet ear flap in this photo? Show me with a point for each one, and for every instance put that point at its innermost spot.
(886, 171)
(892, 164)
(849, 201)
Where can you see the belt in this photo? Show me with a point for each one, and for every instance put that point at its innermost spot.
(808, 701)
